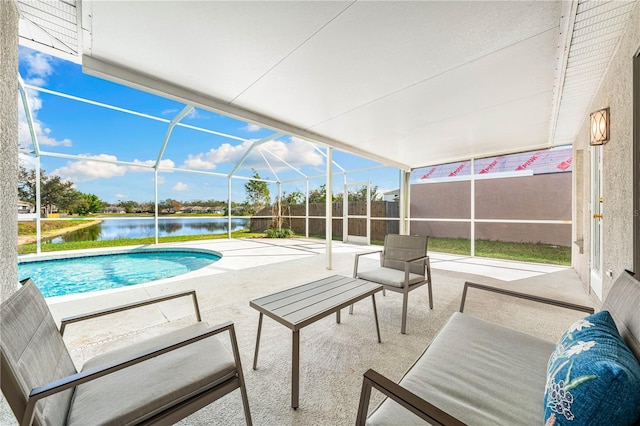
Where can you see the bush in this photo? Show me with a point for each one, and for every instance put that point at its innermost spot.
(279, 233)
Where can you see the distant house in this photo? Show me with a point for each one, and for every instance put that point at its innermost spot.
(392, 195)
(114, 209)
(24, 207)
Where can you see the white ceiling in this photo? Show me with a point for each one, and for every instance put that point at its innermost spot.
(406, 83)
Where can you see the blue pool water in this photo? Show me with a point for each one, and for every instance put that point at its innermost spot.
(91, 273)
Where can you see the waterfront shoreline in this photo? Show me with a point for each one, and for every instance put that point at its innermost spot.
(30, 239)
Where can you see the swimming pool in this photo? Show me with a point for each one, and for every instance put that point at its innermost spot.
(82, 274)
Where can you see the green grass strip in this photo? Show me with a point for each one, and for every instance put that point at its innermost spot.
(78, 245)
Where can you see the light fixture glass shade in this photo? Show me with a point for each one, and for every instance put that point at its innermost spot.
(600, 127)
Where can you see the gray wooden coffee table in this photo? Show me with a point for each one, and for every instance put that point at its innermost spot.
(300, 306)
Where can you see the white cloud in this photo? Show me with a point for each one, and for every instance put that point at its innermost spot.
(161, 180)
(85, 170)
(169, 164)
(38, 68)
(122, 196)
(296, 152)
(180, 187)
(89, 169)
(251, 127)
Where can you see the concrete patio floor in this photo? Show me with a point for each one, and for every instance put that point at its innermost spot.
(333, 356)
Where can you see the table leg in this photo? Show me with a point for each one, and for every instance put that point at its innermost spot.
(255, 356)
(295, 369)
(375, 315)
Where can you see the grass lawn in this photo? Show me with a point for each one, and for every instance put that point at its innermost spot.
(526, 252)
(29, 228)
(31, 248)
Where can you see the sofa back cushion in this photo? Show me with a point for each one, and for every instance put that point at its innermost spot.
(32, 354)
(623, 303)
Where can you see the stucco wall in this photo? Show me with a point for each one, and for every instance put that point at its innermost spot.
(615, 93)
(8, 147)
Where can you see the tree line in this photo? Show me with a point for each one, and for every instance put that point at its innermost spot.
(61, 195)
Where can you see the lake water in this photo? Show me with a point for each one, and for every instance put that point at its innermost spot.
(115, 229)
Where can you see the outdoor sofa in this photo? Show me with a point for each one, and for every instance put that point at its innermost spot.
(478, 373)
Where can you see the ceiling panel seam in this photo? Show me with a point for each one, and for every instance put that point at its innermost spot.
(291, 52)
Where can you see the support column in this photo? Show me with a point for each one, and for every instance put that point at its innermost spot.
(8, 148)
(404, 201)
(472, 231)
(329, 209)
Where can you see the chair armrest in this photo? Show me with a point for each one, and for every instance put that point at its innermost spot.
(93, 373)
(102, 312)
(526, 296)
(355, 264)
(406, 267)
(404, 397)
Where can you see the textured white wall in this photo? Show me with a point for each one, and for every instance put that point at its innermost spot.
(616, 93)
(8, 147)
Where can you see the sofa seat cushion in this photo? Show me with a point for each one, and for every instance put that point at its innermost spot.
(390, 277)
(153, 385)
(481, 373)
(593, 378)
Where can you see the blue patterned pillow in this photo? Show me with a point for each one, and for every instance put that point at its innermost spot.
(592, 376)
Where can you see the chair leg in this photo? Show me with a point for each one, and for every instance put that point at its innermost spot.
(405, 299)
(243, 386)
(429, 284)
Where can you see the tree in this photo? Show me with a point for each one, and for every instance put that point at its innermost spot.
(360, 194)
(27, 185)
(296, 197)
(54, 192)
(258, 195)
(128, 206)
(320, 195)
(169, 205)
(90, 203)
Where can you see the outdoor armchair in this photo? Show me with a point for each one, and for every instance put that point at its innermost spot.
(404, 266)
(159, 380)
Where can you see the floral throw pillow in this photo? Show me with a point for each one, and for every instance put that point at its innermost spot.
(592, 376)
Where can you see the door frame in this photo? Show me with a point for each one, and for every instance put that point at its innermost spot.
(595, 221)
(346, 216)
(636, 163)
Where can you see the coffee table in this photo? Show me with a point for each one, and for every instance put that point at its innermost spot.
(300, 306)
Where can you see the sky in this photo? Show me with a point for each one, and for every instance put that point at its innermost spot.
(66, 126)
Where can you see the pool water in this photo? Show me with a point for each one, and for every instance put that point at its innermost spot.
(91, 273)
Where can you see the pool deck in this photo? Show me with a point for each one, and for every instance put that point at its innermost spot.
(333, 358)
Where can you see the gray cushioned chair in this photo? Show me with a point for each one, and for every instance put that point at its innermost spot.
(155, 381)
(403, 263)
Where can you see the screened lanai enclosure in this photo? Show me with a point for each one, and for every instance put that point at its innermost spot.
(229, 102)
(169, 160)
(169, 169)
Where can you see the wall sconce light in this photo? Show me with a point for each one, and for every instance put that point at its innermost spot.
(600, 127)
